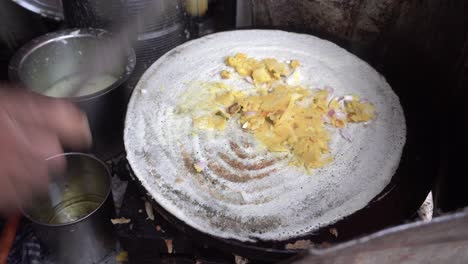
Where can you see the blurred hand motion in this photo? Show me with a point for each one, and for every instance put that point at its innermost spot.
(33, 128)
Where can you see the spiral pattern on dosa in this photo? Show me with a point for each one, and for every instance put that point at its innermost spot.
(246, 192)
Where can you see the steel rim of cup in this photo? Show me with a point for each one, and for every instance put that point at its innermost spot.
(29, 48)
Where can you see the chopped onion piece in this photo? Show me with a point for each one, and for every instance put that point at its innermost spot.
(343, 99)
(316, 90)
(121, 220)
(200, 166)
(330, 94)
(170, 248)
(340, 115)
(250, 113)
(344, 134)
(149, 210)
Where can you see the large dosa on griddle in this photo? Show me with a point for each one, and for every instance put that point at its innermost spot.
(246, 192)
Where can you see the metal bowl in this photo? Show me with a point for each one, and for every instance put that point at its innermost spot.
(56, 56)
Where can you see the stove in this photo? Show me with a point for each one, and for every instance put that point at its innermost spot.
(158, 241)
(145, 240)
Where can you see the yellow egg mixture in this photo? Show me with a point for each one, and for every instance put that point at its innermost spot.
(282, 117)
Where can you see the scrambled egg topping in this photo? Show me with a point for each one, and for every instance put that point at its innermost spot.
(264, 71)
(284, 118)
(289, 119)
(225, 74)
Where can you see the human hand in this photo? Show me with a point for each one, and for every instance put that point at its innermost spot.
(33, 128)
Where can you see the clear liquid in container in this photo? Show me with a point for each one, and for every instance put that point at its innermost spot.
(65, 86)
(74, 209)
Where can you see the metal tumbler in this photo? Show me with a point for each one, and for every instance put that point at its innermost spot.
(73, 218)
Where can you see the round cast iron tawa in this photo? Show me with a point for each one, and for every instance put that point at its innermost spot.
(246, 193)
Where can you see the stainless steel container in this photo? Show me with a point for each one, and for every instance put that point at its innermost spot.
(46, 8)
(95, 14)
(53, 57)
(73, 219)
(109, 13)
(151, 46)
(17, 27)
(166, 13)
(159, 25)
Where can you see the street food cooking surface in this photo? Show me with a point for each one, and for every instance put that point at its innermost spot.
(246, 191)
